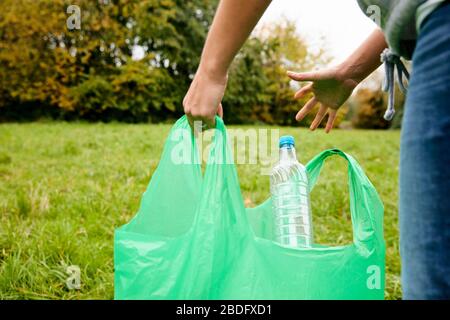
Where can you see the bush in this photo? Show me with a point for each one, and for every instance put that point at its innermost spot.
(89, 73)
(145, 92)
(95, 94)
(370, 108)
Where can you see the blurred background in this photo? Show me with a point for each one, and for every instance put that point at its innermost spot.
(133, 60)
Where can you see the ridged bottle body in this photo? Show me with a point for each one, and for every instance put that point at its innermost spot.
(290, 201)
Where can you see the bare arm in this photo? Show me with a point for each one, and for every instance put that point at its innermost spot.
(232, 24)
(332, 87)
(366, 59)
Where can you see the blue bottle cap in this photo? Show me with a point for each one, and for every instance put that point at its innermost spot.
(287, 141)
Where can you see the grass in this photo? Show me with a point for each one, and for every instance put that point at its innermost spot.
(64, 187)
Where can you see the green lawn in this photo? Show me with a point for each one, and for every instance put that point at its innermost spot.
(64, 187)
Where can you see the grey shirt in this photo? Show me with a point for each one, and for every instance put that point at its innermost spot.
(398, 19)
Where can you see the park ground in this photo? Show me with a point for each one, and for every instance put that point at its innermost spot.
(65, 187)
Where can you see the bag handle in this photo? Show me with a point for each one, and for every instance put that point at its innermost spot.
(221, 178)
(366, 207)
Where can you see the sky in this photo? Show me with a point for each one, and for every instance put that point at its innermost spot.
(340, 23)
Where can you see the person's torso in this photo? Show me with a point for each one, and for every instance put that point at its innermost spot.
(398, 18)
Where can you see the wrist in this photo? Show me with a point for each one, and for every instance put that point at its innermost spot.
(350, 71)
(213, 73)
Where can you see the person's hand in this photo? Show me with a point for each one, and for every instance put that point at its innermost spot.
(203, 99)
(330, 87)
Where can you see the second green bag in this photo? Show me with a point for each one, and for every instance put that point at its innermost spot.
(194, 239)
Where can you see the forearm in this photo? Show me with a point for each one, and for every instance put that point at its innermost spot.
(232, 24)
(364, 60)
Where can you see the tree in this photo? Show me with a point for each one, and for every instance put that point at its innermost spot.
(370, 108)
(91, 73)
(43, 64)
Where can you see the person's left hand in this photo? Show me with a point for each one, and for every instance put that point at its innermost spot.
(331, 88)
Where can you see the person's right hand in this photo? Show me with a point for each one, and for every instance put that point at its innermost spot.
(203, 99)
(331, 88)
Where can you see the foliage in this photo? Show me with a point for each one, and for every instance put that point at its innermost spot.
(128, 95)
(370, 111)
(258, 89)
(91, 73)
(245, 94)
(43, 64)
(369, 104)
(41, 59)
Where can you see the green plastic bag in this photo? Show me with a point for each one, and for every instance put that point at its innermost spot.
(194, 239)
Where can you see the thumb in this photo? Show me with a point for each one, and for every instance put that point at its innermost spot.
(304, 76)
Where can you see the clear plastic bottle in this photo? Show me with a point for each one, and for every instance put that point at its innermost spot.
(290, 199)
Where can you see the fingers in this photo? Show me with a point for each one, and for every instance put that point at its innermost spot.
(200, 122)
(303, 91)
(319, 116)
(331, 117)
(207, 123)
(306, 109)
(304, 76)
